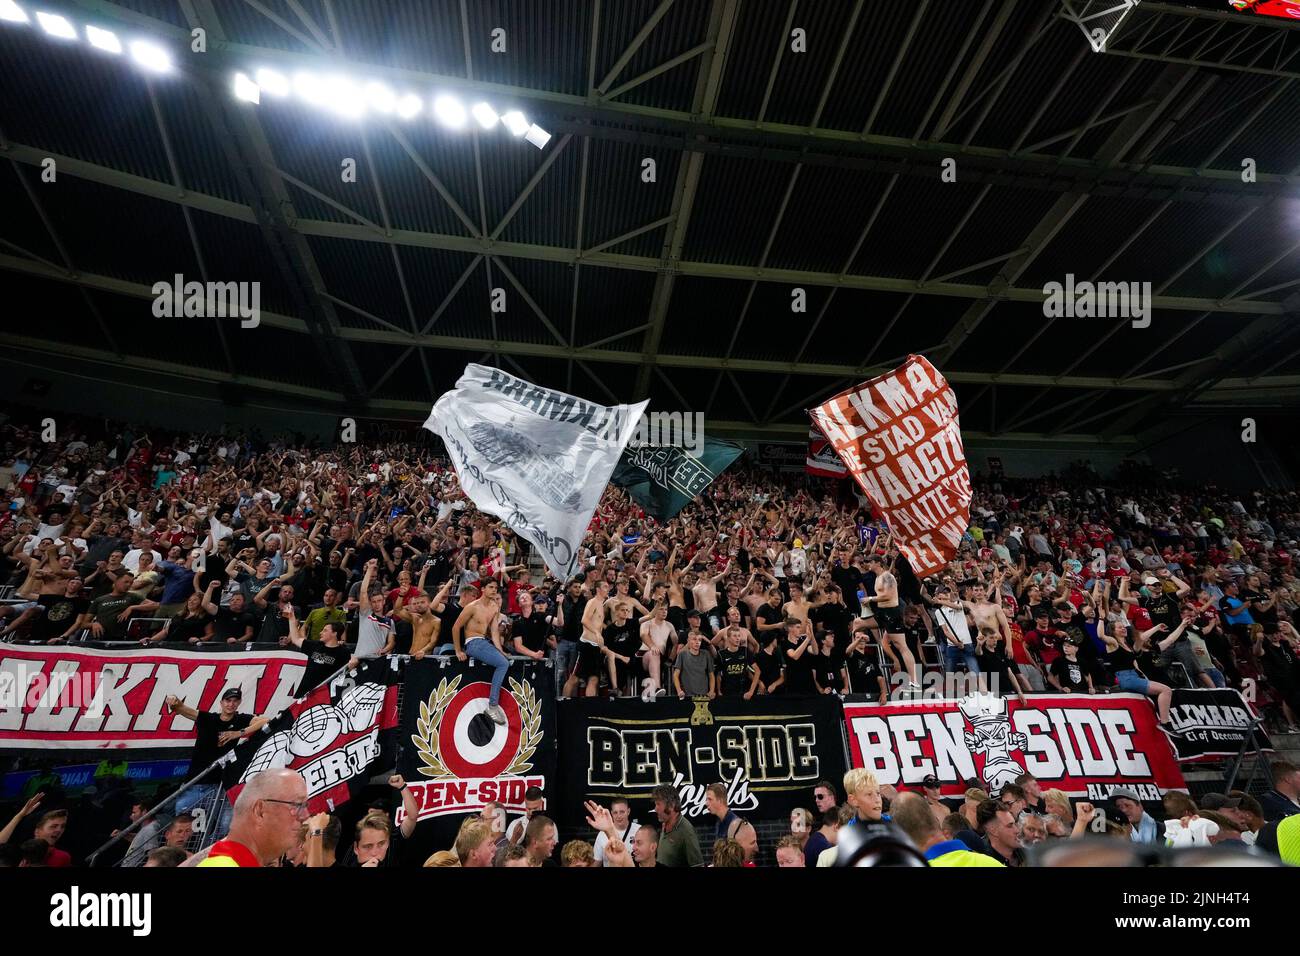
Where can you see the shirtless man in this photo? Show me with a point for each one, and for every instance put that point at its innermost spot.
(889, 617)
(656, 634)
(422, 615)
(797, 606)
(733, 628)
(705, 592)
(990, 620)
(591, 645)
(621, 596)
(477, 622)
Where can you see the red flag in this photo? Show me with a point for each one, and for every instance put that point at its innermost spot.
(900, 437)
(822, 459)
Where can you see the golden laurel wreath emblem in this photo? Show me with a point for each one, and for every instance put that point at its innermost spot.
(431, 711)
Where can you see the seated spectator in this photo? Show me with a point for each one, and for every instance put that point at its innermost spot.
(864, 796)
(1284, 799)
(1001, 837)
(727, 853)
(474, 845)
(443, 858)
(625, 828)
(577, 853)
(824, 838)
(1144, 826)
(1033, 828)
(539, 841)
(166, 856)
(913, 816)
(512, 854)
(956, 827)
(789, 852)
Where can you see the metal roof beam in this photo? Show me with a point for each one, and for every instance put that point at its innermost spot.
(742, 136)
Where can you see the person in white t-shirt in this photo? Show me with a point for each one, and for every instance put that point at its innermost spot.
(624, 826)
(950, 615)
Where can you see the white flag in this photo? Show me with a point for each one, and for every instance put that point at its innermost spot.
(536, 458)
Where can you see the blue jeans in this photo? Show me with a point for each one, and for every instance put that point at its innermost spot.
(566, 656)
(952, 654)
(485, 652)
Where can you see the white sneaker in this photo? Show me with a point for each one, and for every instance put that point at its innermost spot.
(659, 691)
(497, 714)
(645, 696)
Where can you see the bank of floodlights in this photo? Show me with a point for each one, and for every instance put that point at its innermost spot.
(345, 96)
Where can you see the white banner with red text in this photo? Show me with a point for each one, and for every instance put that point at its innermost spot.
(1081, 744)
(70, 698)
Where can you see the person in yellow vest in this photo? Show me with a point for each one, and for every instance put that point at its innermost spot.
(913, 816)
(268, 822)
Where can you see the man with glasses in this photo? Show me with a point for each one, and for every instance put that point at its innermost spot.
(268, 821)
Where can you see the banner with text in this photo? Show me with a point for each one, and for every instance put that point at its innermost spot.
(332, 736)
(69, 698)
(769, 752)
(455, 758)
(1081, 744)
(899, 435)
(1212, 724)
(663, 481)
(536, 458)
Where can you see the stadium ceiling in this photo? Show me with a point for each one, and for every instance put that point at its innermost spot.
(775, 170)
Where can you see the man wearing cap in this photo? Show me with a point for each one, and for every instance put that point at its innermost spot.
(215, 735)
(931, 788)
(1145, 829)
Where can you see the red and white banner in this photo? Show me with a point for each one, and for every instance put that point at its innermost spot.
(83, 699)
(1083, 745)
(332, 736)
(900, 437)
(823, 461)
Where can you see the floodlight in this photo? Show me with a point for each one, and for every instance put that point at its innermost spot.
(515, 122)
(485, 115)
(409, 106)
(151, 56)
(449, 111)
(381, 98)
(105, 40)
(247, 90)
(12, 12)
(273, 82)
(537, 136)
(56, 26)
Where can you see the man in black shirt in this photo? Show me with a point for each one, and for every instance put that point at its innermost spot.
(834, 616)
(65, 614)
(215, 735)
(848, 577)
(622, 641)
(531, 627)
(324, 656)
(828, 667)
(232, 624)
(865, 675)
(738, 675)
(768, 661)
(798, 650)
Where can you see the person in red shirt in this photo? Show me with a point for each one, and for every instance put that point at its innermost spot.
(1044, 641)
(49, 828)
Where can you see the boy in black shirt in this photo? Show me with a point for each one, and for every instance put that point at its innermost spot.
(829, 673)
(768, 662)
(324, 656)
(865, 675)
(799, 650)
(1068, 674)
(738, 674)
(622, 641)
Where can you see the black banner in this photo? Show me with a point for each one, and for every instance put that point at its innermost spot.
(1211, 724)
(333, 736)
(455, 758)
(770, 752)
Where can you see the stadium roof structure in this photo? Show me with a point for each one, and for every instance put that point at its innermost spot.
(775, 169)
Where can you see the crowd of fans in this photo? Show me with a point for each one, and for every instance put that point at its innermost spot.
(765, 584)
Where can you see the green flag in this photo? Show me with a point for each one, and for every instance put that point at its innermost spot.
(664, 480)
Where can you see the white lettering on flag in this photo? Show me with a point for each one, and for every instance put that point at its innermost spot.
(536, 458)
